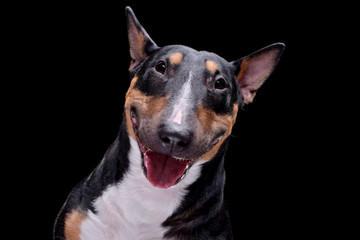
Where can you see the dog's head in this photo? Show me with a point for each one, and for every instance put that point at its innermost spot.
(182, 103)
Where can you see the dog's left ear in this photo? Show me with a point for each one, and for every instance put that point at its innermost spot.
(254, 69)
(141, 45)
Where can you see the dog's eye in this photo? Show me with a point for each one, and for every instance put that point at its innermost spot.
(160, 67)
(220, 84)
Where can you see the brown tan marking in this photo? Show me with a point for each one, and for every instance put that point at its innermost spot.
(147, 106)
(72, 224)
(153, 106)
(127, 109)
(243, 66)
(211, 66)
(176, 58)
(132, 84)
(248, 95)
(209, 120)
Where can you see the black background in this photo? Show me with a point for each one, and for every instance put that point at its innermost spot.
(77, 58)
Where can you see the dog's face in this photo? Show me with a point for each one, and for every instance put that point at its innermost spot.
(182, 103)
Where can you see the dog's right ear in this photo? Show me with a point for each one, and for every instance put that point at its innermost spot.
(255, 68)
(141, 45)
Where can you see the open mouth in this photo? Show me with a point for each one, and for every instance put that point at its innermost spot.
(163, 171)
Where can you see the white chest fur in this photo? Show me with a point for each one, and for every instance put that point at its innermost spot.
(134, 209)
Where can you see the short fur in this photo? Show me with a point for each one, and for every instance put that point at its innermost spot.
(179, 110)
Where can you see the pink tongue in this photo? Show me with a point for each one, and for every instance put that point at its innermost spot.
(163, 170)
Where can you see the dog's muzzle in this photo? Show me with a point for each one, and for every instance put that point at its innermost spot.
(165, 158)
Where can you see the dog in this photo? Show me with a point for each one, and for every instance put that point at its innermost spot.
(163, 177)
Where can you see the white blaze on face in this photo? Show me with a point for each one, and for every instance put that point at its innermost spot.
(182, 102)
(177, 119)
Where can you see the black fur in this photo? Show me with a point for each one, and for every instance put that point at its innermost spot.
(115, 164)
(202, 214)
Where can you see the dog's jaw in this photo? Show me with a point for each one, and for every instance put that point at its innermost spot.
(162, 171)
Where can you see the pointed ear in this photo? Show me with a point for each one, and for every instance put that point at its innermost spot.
(141, 45)
(254, 69)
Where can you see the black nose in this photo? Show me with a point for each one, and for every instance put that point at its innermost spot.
(175, 139)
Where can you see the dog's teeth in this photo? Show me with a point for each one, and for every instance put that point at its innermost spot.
(182, 176)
